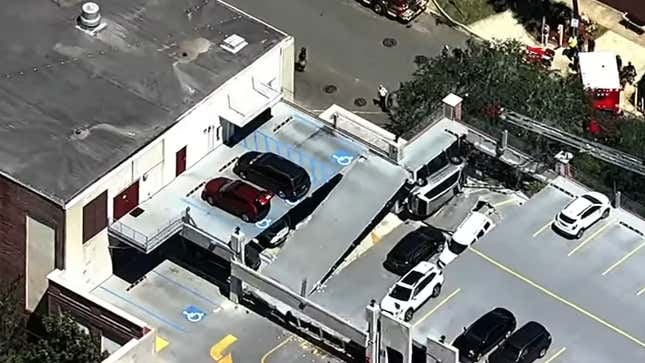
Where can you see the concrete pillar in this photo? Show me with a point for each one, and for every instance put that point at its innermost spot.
(287, 52)
(237, 243)
(501, 146)
(236, 290)
(617, 197)
(303, 287)
(373, 345)
(562, 165)
(452, 107)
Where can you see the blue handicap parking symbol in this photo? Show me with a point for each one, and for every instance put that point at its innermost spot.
(193, 314)
(263, 223)
(342, 158)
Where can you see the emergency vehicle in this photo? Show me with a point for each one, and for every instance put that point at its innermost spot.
(600, 79)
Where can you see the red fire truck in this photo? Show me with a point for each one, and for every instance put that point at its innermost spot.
(403, 10)
(599, 73)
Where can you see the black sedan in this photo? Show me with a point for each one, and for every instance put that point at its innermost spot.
(526, 345)
(418, 245)
(485, 333)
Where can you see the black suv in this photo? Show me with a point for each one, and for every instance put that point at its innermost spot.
(526, 345)
(275, 234)
(275, 173)
(418, 245)
(484, 334)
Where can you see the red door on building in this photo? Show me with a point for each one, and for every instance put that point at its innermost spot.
(180, 161)
(126, 201)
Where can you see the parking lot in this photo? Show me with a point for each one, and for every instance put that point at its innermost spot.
(586, 292)
(340, 293)
(289, 133)
(195, 323)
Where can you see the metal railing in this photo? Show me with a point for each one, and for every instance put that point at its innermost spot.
(143, 241)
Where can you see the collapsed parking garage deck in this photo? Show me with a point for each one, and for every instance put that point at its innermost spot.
(289, 133)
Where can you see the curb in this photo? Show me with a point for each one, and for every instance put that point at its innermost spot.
(439, 12)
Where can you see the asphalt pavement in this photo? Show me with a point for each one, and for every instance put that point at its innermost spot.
(636, 7)
(345, 48)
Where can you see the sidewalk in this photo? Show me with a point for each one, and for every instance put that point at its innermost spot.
(616, 39)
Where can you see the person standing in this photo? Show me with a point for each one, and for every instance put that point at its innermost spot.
(382, 97)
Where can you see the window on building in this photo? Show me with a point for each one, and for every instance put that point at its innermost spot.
(95, 216)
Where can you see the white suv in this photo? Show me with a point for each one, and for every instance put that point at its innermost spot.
(415, 288)
(582, 213)
(474, 227)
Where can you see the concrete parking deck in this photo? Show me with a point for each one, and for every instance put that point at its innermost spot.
(350, 291)
(358, 198)
(584, 291)
(201, 325)
(290, 133)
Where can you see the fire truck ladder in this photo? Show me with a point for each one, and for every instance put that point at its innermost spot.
(597, 150)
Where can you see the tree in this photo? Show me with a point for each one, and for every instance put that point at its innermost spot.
(494, 75)
(62, 340)
(12, 324)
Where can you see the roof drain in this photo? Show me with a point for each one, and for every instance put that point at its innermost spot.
(90, 19)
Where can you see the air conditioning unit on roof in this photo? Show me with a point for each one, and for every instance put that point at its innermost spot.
(233, 43)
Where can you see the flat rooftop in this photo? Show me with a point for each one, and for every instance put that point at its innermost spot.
(289, 133)
(73, 106)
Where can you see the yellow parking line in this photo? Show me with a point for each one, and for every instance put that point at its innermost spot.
(280, 345)
(438, 306)
(217, 350)
(624, 258)
(588, 239)
(560, 299)
(557, 354)
(542, 229)
(510, 200)
(640, 292)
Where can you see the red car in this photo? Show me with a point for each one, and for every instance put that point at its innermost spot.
(238, 198)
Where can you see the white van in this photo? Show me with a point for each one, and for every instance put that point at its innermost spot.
(474, 227)
(440, 188)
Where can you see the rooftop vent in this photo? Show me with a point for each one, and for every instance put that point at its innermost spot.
(234, 43)
(90, 19)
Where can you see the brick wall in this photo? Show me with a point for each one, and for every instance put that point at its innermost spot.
(16, 202)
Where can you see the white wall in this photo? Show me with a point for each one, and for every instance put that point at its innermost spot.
(40, 259)
(91, 262)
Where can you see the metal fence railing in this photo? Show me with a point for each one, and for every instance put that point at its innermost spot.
(143, 241)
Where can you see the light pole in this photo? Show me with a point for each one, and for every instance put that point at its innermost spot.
(575, 19)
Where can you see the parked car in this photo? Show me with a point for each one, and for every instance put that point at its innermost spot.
(238, 198)
(413, 290)
(418, 245)
(273, 172)
(582, 213)
(474, 227)
(403, 10)
(526, 345)
(485, 333)
(275, 234)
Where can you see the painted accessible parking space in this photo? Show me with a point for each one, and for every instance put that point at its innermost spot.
(289, 133)
(194, 323)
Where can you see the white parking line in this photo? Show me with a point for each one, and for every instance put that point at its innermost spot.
(497, 205)
(640, 292)
(599, 231)
(543, 228)
(437, 307)
(632, 252)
